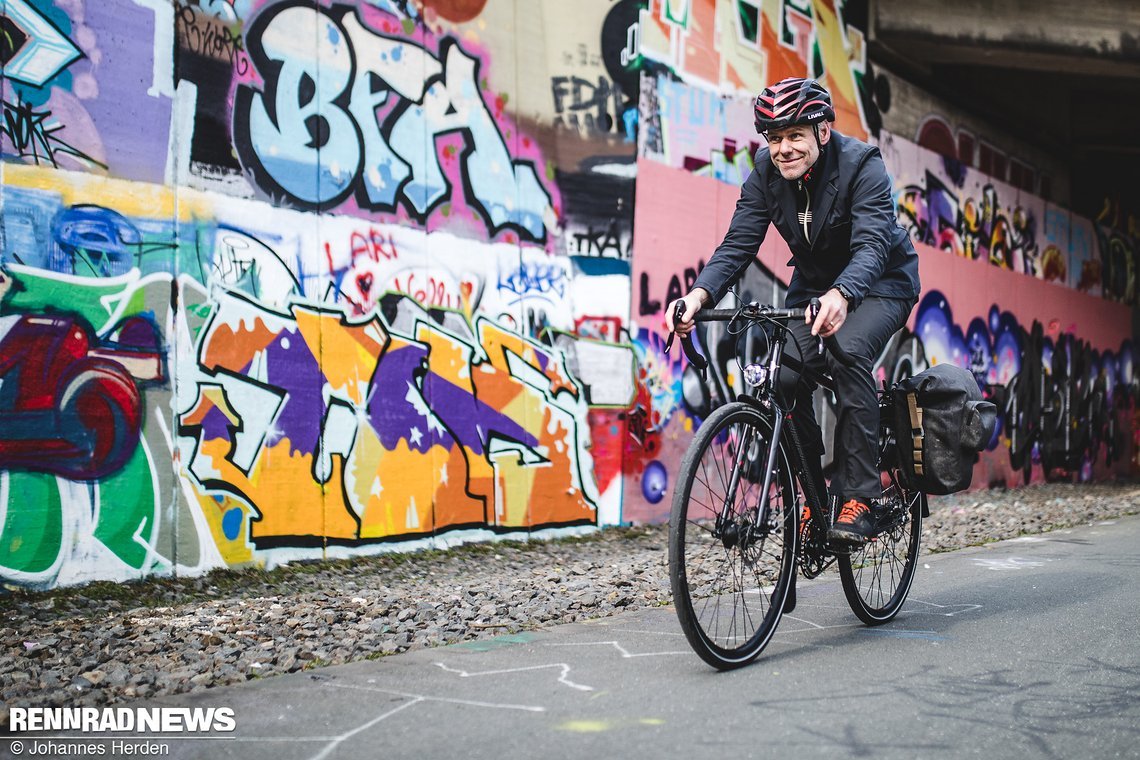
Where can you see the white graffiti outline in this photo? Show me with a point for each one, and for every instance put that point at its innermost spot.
(562, 678)
(625, 653)
(1007, 563)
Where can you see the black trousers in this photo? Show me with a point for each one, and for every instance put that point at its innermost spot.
(863, 336)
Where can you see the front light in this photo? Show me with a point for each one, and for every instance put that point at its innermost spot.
(755, 375)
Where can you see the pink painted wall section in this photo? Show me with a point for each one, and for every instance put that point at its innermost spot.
(973, 286)
(679, 220)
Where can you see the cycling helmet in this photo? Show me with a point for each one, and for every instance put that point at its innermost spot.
(792, 101)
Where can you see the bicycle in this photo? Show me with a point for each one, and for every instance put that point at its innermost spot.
(735, 535)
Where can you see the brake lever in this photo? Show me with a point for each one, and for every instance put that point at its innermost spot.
(844, 358)
(678, 311)
(687, 344)
(813, 309)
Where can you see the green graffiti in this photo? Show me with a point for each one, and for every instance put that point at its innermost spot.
(32, 535)
(33, 292)
(127, 520)
(498, 642)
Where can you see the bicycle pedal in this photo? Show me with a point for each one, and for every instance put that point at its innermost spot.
(846, 547)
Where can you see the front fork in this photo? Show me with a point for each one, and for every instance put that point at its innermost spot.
(724, 523)
(724, 526)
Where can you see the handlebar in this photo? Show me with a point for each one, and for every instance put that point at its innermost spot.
(756, 313)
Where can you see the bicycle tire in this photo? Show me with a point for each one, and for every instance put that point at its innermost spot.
(729, 585)
(877, 576)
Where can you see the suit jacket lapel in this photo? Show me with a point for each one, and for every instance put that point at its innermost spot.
(826, 190)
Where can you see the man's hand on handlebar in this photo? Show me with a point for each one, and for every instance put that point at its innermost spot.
(693, 303)
(832, 314)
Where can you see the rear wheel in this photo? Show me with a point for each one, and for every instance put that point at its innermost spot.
(877, 576)
(730, 568)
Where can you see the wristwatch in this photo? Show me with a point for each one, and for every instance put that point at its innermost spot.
(843, 291)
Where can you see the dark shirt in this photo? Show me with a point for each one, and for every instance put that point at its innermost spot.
(855, 239)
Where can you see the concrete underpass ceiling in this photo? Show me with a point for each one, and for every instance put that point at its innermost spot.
(1060, 75)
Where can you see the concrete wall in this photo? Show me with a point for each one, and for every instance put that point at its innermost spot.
(1103, 29)
(285, 280)
(930, 121)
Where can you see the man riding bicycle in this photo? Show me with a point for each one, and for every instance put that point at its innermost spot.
(829, 197)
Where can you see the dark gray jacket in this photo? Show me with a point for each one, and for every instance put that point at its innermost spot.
(856, 241)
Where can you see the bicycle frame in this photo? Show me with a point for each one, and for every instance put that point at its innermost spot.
(767, 395)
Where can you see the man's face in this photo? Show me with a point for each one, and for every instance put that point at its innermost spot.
(794, 149)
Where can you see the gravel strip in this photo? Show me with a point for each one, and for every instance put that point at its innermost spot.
(106, 643)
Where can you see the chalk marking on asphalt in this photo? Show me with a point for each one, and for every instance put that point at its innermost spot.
(625, 653)
(965, 608)
(362, 727)
(1009, 563)
(449, 700)
(817, 626)
(656, 633)
(902, 633)
(562, 679)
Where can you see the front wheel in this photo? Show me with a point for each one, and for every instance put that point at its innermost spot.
(730, 566)
(877, 576)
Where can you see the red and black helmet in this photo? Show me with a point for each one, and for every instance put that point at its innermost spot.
(792, 101)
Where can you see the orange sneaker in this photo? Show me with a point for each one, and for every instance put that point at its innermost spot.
(855, 524)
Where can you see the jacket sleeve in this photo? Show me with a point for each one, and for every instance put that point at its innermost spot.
(872, 222)
(741, 242)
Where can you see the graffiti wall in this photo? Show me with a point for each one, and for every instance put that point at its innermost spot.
(285, 279)
(296, 279)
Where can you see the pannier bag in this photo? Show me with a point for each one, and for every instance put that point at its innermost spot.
(942, 424)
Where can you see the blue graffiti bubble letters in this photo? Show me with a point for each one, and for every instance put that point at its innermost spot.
(358, 112)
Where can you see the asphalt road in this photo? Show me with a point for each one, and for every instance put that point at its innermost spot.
(1021, 649)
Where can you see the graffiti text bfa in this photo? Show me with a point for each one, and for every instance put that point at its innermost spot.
(347, 113)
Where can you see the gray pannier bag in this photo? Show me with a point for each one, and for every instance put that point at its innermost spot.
(942, 424)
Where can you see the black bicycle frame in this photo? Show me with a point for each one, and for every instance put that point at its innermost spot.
(767, 396)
